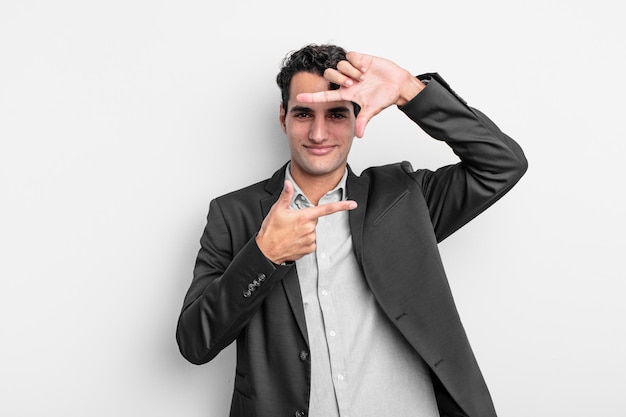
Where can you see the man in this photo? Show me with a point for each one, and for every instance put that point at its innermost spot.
(331, 283)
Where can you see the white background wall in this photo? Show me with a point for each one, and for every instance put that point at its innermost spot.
(121, 119)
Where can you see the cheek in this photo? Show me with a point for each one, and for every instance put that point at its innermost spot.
(297, 130)
(343, 132)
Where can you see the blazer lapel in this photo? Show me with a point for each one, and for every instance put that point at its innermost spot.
(274, 187)
(357, 189)
(290, 282)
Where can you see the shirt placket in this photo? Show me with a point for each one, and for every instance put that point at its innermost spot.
(325, 235)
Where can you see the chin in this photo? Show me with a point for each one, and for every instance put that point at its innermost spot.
(322, 169)
(318, 167)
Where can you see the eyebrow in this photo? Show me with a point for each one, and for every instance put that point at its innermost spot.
(338, 109)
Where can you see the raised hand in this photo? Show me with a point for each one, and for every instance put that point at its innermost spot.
(373, 83)
(288, 235)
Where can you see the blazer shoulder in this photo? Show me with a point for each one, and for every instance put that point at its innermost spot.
(244, 202)
(256, 189)
(398, 173)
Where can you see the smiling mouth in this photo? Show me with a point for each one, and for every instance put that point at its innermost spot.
(319, 150)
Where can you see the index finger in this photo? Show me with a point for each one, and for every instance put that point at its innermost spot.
(358, 60)
(320, 97)
(330, 208)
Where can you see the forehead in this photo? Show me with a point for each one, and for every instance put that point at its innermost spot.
(305, 82)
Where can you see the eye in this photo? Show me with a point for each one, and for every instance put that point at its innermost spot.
(337, 116)
(302, 115)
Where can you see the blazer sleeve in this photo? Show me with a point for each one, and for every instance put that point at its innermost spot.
(230, 280)
(491, 163)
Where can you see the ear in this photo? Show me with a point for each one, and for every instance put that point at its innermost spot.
(281, 118)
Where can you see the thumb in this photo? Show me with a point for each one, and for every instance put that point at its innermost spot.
(286, 195)
(361, 122)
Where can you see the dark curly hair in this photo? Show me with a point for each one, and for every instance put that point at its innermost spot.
(312, 58)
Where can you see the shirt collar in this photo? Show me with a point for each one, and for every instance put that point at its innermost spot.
(299, 200)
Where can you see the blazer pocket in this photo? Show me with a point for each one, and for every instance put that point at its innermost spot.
(242, 405)
(390, 207)
(242, 387)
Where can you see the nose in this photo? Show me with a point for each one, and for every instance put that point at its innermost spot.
(318, 131)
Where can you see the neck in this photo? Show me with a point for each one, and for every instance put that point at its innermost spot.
(315, 187)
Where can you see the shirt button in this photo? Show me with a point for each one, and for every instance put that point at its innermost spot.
(332, 333)
(324, 292)
(340, 377)
(303, 355)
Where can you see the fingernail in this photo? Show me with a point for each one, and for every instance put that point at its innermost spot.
(352, 205)
(348, 83)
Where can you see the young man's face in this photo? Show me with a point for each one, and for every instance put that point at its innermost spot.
(320, 134)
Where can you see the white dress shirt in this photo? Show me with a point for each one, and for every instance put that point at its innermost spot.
(361, 366)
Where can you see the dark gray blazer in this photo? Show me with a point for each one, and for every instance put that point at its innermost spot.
(237, 294)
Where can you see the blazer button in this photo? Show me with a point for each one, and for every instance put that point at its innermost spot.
(247, 293)
(300, 413)
(304, 355)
